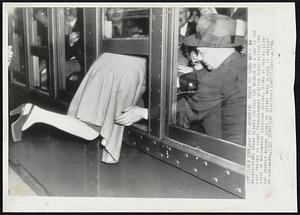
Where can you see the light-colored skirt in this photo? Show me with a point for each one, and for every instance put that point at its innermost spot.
(113, 83)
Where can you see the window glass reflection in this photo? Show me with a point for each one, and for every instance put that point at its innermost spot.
(39, 48)
(212, 72)
(126, 23)
(16, 40)
(40, 27)
(74, 48)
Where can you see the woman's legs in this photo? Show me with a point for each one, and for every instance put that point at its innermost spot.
(63, 122)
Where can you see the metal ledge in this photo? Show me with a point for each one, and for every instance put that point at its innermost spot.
(229, 151)
(228, 176)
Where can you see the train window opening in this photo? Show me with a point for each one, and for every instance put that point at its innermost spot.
(126, 23)
(126, 31)
(143, 101)
(208, 97)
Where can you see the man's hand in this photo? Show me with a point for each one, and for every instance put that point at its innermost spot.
(73, 38)
(132, 115)
(10, 54)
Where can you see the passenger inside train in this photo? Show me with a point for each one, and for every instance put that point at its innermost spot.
(211, 77)
(218, 108)
(74, 57)
(124, 23)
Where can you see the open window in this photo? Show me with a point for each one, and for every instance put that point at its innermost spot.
(198, 92)
(126, 23)
(126, 31)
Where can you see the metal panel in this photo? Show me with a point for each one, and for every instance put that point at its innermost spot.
(60, 76)
(56, 160)
(218, 171)
(126, 46)
(28, 36)
(91, 36)
(53, 49)
(93, 155)
(172, 56)
(222, 148)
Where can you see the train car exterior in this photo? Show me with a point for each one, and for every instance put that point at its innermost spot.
(214, 160)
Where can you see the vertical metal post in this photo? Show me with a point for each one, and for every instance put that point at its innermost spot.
(28, 36)
(90, 35)
(25, 21)
(172, 47)
(60, 76)
(157, 70)
(53, 49)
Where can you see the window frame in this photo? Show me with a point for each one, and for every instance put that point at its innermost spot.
(215, 146)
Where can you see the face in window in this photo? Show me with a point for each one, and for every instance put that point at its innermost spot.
(70, 14)
(183, 16)
(115, 14)
(41, 16)
(195, 15)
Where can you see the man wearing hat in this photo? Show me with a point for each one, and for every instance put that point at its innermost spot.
(220, 101)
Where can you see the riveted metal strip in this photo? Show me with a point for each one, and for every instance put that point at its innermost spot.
(222, 148)
(91, 36)
(201, 165)
(155, 70)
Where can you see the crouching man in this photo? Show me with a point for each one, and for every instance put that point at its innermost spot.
(220, 100)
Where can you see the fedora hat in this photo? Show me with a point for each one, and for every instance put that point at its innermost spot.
(216, 31)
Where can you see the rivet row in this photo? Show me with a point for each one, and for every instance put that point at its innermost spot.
(215, 179)
(239, 190)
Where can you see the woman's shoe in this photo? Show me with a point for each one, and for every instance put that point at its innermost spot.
(17, 110)
(16, 127)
